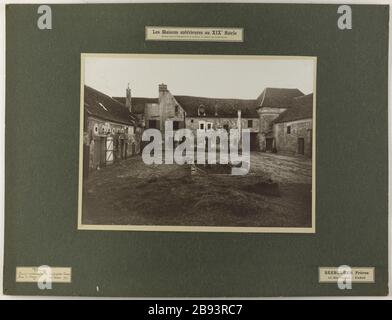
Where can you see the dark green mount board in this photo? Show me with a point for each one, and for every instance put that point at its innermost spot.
(42, 155)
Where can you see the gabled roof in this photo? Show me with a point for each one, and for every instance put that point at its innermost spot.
(302, 108)
(215, 107)
(277, 97)
(138, 103)
(102, 106)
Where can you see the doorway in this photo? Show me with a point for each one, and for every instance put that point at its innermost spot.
(253, 141)
(301, 146)
(99, 157)
(269, 142)
(102, 152)
(86, 160)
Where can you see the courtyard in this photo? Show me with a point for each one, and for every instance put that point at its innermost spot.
(277, 192)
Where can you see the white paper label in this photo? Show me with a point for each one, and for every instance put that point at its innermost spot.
(194, 34)
(357, 274)
(35, 274)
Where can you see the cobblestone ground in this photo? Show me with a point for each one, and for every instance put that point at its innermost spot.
(133, 193)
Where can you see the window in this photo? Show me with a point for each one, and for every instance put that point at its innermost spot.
(250, 123)
(288, 129)
(176, 125)
(204, 125)
(191, 120)
(176, 110)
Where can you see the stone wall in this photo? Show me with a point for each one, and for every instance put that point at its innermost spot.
(267, 116)
(169, 108)
(151, 112)
(289, 142)
(219, 123)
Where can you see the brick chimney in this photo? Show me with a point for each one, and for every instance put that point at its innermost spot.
(162, 87)
(239, 127)
(239, 121)
(128, 99)
(164, 100)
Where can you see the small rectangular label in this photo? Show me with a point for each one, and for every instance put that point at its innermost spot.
(358, 274)
(194, 34)
(35, 274)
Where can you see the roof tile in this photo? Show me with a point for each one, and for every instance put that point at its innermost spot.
(278, 97)
(102, 106)
(302, 108)
(215, 107)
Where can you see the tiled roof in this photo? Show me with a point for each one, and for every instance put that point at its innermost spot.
(277, 97)
(138, 104)
(102, 106)
(302, 108)
(214, 107)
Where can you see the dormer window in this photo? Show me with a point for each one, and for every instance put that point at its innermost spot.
(201, 111)
(103, 107)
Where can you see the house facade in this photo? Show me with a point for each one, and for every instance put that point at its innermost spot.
(279, 119)
(111, 132)
(214, 113)
(293, 129)
(152, 113)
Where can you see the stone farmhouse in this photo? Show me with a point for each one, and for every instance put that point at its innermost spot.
(280, 120)
(110, 131)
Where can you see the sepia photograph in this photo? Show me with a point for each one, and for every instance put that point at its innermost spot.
(203, 143)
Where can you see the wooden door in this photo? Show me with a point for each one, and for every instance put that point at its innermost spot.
(97, 152)
(301, 145)
(269, 143)
(253, 141)
(86, 160)
(102, 153)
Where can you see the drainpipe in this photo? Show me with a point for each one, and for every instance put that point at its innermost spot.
(239, 127)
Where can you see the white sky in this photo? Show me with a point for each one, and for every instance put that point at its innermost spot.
(206, 76)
